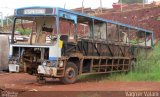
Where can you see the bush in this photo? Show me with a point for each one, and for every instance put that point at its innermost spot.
(24, 31)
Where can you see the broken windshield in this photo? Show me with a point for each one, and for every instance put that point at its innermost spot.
(35, 30)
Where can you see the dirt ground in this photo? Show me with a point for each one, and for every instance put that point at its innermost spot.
(23, 81)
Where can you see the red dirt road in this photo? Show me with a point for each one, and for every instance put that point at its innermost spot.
(22, 81)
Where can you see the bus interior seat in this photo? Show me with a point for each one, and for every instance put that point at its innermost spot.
(42, 38)
(33, 40)
(64, 38)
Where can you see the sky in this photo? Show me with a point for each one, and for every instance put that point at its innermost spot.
(8, 6)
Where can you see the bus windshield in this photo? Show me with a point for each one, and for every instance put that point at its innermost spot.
(35, 30)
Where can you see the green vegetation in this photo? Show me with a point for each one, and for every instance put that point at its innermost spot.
(147, 68)
(24, 31)
(134, 41)
(131, 1)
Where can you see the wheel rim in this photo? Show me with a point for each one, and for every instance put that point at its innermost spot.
(70, 73)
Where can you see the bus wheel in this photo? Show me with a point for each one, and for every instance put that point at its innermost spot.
(71, 73)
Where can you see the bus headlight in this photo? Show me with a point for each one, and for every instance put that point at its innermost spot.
(61, 64)
(49, 63)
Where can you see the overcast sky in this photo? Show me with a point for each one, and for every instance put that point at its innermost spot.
(8, 6)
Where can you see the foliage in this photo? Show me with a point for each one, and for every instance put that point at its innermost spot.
(134, 41)
(24, 31)
(131, 1)
(147, 68)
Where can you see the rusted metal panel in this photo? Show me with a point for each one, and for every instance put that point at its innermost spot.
(4, 49)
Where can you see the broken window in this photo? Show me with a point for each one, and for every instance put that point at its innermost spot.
(100, 31)
(35, 30)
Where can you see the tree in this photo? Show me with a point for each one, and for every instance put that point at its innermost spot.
(131, 1)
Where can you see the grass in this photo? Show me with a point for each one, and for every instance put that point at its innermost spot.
(147, 68)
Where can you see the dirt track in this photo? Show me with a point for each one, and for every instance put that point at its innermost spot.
(23, 81)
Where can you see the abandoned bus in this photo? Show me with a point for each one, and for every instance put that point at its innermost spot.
(64, 44)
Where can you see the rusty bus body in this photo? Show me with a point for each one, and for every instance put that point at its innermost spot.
(90, 45)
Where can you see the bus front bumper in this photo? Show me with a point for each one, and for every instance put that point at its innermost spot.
(47, 71)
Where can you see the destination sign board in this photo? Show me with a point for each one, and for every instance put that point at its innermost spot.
(34, 11)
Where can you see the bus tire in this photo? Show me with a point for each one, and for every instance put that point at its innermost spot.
(70, 75)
